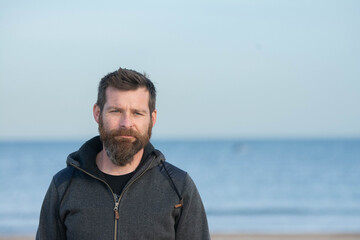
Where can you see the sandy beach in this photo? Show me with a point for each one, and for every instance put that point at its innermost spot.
(249, 237)
(286, 237)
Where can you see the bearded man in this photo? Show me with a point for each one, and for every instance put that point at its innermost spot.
(117, 185)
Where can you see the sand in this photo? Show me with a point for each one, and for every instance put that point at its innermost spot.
(286, 237)
(250, 237)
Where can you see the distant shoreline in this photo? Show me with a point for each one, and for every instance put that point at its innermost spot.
(321, 236)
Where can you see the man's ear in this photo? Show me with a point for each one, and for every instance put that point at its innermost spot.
(96, 113)
(153, 117)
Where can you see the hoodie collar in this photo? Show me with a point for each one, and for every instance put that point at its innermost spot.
(85, 157)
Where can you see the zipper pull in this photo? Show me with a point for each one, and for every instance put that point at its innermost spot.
(116, 210)
(180, 204)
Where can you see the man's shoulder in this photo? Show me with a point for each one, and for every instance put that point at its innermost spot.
(63, 175)
(180, 179)
(175, 172)
(168, 168)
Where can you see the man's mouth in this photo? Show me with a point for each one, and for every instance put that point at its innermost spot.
(125, 137)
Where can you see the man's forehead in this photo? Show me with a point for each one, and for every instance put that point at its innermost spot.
(138, 98)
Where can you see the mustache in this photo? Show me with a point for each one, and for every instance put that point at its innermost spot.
(123, 132)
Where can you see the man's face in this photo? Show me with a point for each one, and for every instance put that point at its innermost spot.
(125, 123)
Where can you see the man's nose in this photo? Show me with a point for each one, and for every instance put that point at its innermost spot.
(126, 121)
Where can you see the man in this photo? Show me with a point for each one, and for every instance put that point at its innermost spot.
(117, 185)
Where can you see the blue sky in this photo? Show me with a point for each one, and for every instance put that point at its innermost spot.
(223, 69)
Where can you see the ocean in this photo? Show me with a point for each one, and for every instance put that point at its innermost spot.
(247, 186)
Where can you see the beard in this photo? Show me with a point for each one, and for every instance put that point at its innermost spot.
(121, 151)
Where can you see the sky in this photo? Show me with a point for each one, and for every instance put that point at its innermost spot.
(223, 69)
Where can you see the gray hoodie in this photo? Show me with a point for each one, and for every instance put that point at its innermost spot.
(159, 202)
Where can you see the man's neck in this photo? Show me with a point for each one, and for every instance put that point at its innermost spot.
(107, 166)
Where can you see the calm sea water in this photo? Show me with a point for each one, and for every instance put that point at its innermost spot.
(247, 186)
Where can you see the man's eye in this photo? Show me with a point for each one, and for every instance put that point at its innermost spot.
(139, 113)
(114, 111)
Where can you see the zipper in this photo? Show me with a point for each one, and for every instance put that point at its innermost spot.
(116, 208)
(116, 200)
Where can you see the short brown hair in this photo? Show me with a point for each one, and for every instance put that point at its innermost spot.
(126, 79)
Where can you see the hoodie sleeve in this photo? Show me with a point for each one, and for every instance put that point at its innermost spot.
(50, 226)
(193, 222)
